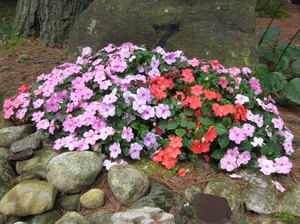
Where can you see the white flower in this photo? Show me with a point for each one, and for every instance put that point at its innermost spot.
(257, 141)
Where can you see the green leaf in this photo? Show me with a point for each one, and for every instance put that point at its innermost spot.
(180, 132)
(135, 125)
(172, 125)
(188, 112)
(265, 150)
(273, 82)
(220, 129)
(226, 121)
(270, 35)
(296, 66)
(253, 164)
(245, 146)
(297, 38)
(162, 124)
(218, 154)
(292, 90)
(188, 124)
(206, 121)
(223, 141)
(118, 112)
(282, 64)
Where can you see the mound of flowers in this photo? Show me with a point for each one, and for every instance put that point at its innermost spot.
(128, 102)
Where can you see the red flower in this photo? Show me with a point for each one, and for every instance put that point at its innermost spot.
(193, 101)
(188, 76)
(241, 114)
(197, 90)
(211, 134)
(181, 172)
(199, 148)
(175, 142)
(221, 111)
(24, 88)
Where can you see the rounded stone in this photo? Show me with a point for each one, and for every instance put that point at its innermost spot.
(71, 172)
(94, 198)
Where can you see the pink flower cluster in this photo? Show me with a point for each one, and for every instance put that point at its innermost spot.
(282, 165)
(233, 159)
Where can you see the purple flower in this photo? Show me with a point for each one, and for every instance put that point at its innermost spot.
(43, 124)
(107, 110)
(169, 58)
(69, 125)
(148, 113)
(150, 140)
(135, 150)
(127, 134)
(163, 111)
(237, 135)
(139, 105)
(115, 150)
(51, 105)
(144, 94)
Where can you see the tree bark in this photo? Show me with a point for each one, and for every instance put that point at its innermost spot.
(51, 20)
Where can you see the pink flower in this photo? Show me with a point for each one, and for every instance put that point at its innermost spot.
(254, 83)
(278, 186)
(249, 129)
(194, 62)
(215, 64)
(233, 152)
(266, 166)
(169, 58)
(228, 163)
(37, 103)
(223, 82)
(283, 165)
(37, 116)
(278, 123)
(51, 105)
(90, 137)
(107, 110)
(237, 135)
(127, 134)
(241, 99)
(59, 143)
(149, 140)
(105, 132)
(139, 105)
(243, 158)
(115, 150)
(43, 124)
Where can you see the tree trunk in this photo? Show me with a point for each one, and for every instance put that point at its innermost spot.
(51, 20)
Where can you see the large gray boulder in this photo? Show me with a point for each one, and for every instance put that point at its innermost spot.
(71, 172)
(127, 183)
(11, 134)
(222, 30)
(31, 197)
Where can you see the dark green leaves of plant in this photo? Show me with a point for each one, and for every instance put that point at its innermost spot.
(171, 125)
(180, 132)
(296, 66)
(223, 141)
(162, 124)
(220, 129)
(292, 90)
(270, 35)
(218, 154)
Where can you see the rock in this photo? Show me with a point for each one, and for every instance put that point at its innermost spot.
(69, 202)
(37, 164)
(7, 174)
(291, 200)
(46, 217)
(127, 183)
(227, 189)
(143, 215)
(30, 197)
(94, 198)
(261, 201)
(72, 217)
(23, 155)
(3, 189)
(191, 191)
(4, 153)
(28, 176)
(71, 172)
(32, 142)
(160, 196)
(100, 217)
(223, 30)
(11, 134)
(256, 178)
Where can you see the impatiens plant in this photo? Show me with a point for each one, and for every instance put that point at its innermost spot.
(128, 102)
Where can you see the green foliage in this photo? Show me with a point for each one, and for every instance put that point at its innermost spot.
(268, 8)
(279, 73)
(285, 217)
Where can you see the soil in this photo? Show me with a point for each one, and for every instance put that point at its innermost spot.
(22, 63)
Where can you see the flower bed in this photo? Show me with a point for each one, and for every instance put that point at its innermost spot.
(127, 101)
